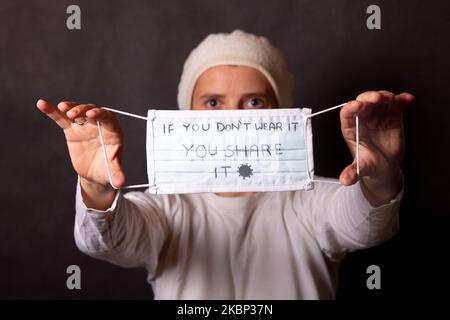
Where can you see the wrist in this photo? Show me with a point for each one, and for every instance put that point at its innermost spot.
(380, 190)
(95, 195)
(96, 187)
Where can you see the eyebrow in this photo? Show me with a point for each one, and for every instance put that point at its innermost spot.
(212, 96)
(256, 94)
(246, 95)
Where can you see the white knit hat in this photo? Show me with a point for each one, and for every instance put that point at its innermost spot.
(242, 49)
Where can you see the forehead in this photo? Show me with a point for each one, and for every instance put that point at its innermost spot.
(221, 79)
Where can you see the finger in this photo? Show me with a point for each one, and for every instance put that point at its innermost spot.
(107, 118)
(79, 111)
(375, 97)
(387, 96)
(380, 99)
(92, 112)
(117, 174)
(401, 101)
(405, 98)
(53, 113)
(349, 175)
(67, 105)
(349, 112)
(99, 114)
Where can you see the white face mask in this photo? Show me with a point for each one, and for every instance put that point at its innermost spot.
(228, 150)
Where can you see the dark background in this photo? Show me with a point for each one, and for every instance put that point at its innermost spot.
(129, 55)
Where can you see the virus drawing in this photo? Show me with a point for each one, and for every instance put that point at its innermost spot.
(245, 171)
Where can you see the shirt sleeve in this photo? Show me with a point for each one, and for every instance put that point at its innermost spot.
(130, 233)
(343, 220)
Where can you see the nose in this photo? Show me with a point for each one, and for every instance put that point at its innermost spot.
(231, 106)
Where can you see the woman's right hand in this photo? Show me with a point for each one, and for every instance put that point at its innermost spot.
(84, 144)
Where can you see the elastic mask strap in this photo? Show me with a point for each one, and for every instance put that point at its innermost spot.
(357, 140)
(145, 118)
(105, 156)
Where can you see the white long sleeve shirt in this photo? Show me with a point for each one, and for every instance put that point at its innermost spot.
(273, 245)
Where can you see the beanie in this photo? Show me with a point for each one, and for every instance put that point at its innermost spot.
(242, 49)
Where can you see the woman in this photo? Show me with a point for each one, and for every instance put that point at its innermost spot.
(274, 245)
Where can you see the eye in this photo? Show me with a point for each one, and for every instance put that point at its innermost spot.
(254, 103)
(213, 103)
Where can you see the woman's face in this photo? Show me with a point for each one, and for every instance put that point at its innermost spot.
(232, 87)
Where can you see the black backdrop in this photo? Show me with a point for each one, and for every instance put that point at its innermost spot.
(129, 55)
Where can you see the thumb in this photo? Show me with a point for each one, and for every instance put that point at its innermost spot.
(117, 174)
(349, 175)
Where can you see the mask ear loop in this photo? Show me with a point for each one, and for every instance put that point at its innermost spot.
(357, 144)
(105, 156)
(357, 141)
